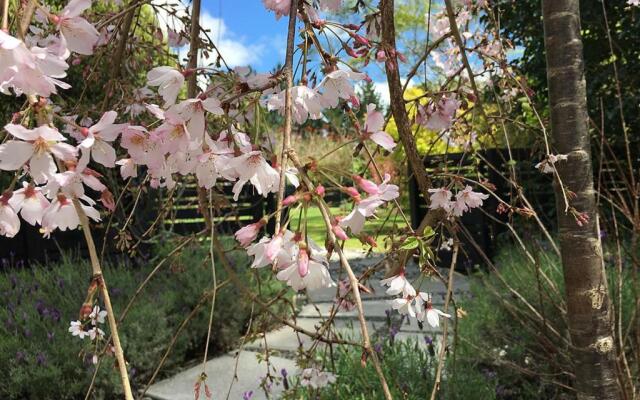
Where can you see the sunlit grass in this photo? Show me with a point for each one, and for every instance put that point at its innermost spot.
(379, 228)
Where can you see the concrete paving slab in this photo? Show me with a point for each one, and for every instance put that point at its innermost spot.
(286, 339)
(220, 373)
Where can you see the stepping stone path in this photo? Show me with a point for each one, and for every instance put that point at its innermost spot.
(285, 342)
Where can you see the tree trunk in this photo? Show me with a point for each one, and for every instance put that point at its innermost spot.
(588, 304)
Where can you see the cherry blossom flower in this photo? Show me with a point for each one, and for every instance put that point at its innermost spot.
(379, 194)
(399, 284)
(439, 117)
(248, 233)
(175, 39)
(34, 72)
(404, 305)
(317, 275)
(97, 142)
(95, 333)
(9, 221)
(37, 148)
(332, 5)
(314, 378)
(76, 329)
(633, 2)
(62, 214)
(306, 103)
(80, 36)
(337, 85)
(547, 166)
(254, 168)
(280, 7)
(426, 311)
(97, 316)
(192, 111)
(30, 202)
(471, 199)
(128, 168)
(169, 81)
(440, 198)
(373, 129)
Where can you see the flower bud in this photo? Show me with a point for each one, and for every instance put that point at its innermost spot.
(320, 190)
(303, 262)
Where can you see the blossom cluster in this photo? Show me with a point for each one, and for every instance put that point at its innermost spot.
(465, 200)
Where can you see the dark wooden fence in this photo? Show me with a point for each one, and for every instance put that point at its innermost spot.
(482, 227)
(183, 218)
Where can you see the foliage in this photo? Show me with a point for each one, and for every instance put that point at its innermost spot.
(523, 26)
(410, 367)
(526, 360)
(36, 349)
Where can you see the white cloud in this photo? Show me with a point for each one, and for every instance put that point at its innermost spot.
(232, 47)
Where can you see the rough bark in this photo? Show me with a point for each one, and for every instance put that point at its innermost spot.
(588, 304)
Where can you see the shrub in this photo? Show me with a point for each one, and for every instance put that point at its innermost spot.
(504, 338)
(409, 367)
(43, 361)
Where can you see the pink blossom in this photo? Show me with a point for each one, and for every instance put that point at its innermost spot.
(274, 247)
(97, 142)
(169, 81)
(331, 5)
(373, 129)
(339, 232)
(79, 35)
(280, 7)
(426, 311)
(317, 275)
(366, 185)
(399, 284)
(37, 147)
(128, 168)
(471, 198)
(34, 72)
(248, 234)
(176, 39)
(337, 85)
(192, 111)
(440, 198)
(30, 202)
(62, 214)
(440, 116)
(254, 168)
(306, 103)
(9, 221)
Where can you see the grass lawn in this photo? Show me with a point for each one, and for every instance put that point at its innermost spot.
(374, 227)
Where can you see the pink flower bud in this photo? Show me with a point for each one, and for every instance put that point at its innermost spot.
(291, 199)
(106, 198)
(339, 232)
(320, 190)
(84, 131)
(381, 55)
(76, 61)
(353, 192)
(248, 234)
(303, 262)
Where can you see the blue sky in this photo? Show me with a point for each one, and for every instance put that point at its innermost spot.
(246, 31)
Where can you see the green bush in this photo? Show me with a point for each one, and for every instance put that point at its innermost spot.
(41, 360)
(504, 338)
(409, 367)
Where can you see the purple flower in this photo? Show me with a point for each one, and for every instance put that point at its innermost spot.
(21, 356)
(50, 336)
(27, 333)
(283, 372)
(41, 359)
(428, 340)
(247, 395)
(378, 348)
